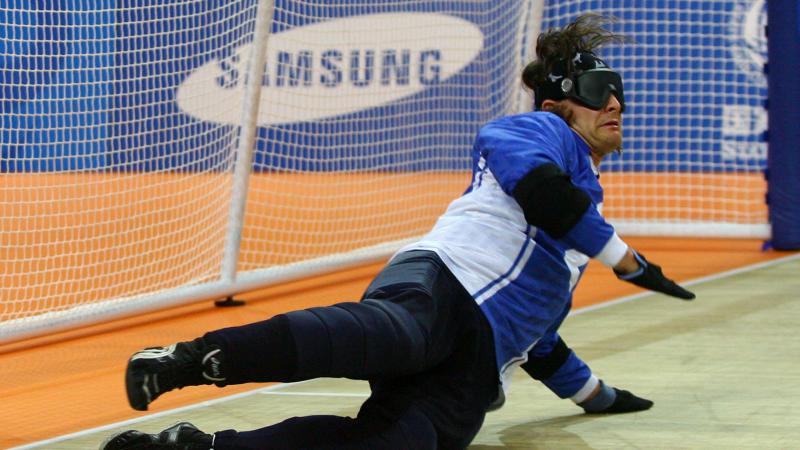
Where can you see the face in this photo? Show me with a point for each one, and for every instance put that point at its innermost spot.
(601, 129)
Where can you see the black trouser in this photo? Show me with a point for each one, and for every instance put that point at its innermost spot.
(417, 336)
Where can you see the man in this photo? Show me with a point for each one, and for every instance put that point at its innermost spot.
(439, 331)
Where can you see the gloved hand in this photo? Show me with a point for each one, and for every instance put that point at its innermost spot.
(649, 276)
(623, 402)
(627, 402)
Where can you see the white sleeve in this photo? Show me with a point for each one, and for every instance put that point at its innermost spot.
(613, 251)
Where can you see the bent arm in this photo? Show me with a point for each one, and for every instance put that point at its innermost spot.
(552, 203)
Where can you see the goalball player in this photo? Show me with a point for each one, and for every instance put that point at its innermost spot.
(441, 328)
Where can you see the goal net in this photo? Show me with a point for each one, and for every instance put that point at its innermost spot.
(156, 154)
(123, 122)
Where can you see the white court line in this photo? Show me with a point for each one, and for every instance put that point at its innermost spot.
(318, 394)
(136, 420)
(272, 390)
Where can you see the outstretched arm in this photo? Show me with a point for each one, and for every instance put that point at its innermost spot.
(559, 368)
(634, 268)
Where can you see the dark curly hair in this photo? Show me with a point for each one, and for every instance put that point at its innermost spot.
(586, 33)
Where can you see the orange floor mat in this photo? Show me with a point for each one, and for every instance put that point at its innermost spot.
(72, 381)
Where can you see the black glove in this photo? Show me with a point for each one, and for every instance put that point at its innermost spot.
(610, 400)
(649, 276)
(625, 402)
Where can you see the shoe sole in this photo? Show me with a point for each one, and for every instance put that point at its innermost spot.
(137, 381)
(168, 438)
(107, 444)
(136, 388)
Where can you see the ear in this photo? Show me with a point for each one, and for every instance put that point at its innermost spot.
(548, 105)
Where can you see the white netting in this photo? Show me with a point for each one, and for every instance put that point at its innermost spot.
(121, 121)
(109, 190)
(397, 100)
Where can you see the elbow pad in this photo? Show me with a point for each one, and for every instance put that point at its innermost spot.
(550, 201)
(542, 368)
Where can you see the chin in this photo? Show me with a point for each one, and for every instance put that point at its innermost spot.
(606, 152)
(613, 144)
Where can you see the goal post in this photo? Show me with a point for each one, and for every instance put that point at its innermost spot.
(124, 123)
(149, 159)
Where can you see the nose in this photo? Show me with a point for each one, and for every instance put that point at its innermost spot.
(612, 104)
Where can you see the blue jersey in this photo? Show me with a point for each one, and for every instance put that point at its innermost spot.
(521, 277)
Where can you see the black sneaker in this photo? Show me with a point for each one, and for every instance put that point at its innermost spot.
(156, 370)
(182, 436)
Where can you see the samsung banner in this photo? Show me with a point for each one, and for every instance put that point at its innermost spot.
(125, 85)
(346, 65)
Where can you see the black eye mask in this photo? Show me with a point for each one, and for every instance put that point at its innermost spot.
(590, 84)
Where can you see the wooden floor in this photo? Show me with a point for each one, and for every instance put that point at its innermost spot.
(722, 370)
